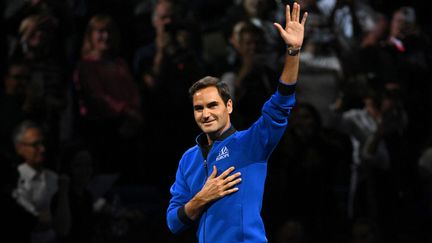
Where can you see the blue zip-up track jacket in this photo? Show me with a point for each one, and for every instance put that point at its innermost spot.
(235, 217)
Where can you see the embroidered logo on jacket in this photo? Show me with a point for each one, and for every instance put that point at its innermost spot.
(223, 153)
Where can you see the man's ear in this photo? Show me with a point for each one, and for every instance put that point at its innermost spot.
(229, 106)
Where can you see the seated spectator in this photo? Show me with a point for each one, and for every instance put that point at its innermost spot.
(37, 184)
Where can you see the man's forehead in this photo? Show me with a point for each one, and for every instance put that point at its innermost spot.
(31, 133)
(207, 94)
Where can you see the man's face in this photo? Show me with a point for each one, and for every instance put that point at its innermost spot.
(210, 112)
(31, 147)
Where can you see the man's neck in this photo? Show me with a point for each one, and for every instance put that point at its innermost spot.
(211, 137)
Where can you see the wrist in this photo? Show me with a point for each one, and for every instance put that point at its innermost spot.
(199, 200)
(293, 50)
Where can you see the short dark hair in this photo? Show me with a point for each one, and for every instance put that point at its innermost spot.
(209, 81)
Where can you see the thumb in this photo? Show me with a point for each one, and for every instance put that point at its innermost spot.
(279, 28)
(214, 172)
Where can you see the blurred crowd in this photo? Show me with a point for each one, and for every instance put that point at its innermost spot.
(95, 115)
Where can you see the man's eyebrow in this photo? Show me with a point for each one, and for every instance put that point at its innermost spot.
(212, 103)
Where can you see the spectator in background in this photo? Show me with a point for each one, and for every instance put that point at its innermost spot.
(165, 69)
(360, 125)
(18, 222)
(15, 102)
(172, 47)
(321, 65)
(109, 101)
(262, 14)
(37, 185)
(76, 163)
(250, 76)
(40, 47)
(311, 167)
(383, 179)
(410, 52)
(162, 15)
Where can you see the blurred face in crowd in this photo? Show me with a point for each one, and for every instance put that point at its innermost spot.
(37, 38)
(402, 23)
(42, 34)
(16, 79)
(31, 147)
(255, 8)
(37, 32)
(248, 43)
(210, 112)
(162, 16)
(101, 37)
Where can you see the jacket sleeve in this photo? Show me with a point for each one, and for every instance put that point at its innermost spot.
(266, 132)
(180, 193)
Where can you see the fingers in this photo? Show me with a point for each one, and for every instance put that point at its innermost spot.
(232, 177)
(214, 172)
(295, 15)
(279, 27)
(226, 172)
(233, 183)
(304, 18)
(296, 12)
(288, 14)
(230, 191)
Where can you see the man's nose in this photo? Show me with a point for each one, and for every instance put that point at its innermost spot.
(206, 113)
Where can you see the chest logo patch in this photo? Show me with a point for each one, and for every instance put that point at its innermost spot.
(223, 153)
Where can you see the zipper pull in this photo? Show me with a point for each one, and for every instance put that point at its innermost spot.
(206, 167)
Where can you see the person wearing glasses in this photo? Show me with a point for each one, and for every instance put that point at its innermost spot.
(37, 184)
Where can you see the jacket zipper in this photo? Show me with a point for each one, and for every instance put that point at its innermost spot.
(205, 216)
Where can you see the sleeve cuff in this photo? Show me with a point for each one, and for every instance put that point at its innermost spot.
(183, 217)
(286, 89)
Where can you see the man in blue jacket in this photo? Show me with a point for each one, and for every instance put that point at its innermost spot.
(226, 207)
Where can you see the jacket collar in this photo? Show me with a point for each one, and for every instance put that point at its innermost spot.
(201, 140)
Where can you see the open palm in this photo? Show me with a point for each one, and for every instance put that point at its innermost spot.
(293, 32)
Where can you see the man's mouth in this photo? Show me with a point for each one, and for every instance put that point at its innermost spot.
(208, 122)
